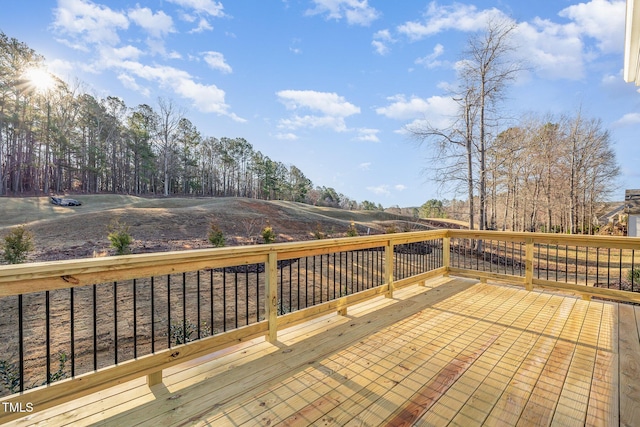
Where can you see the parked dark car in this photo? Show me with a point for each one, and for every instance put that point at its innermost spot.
(60, 201)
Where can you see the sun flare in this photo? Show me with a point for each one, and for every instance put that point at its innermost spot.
(39, 79)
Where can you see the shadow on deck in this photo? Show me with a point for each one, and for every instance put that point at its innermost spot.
(456, 352)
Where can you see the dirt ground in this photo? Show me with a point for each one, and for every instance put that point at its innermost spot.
(165, 224)
(225, 298)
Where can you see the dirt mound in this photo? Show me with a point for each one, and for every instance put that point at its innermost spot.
(163, 224)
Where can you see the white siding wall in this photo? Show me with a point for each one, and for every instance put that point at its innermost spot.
(634, 226)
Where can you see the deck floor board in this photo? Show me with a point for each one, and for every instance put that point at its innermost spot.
(454, 352)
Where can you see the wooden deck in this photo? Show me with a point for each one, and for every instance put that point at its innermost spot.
(456, 352)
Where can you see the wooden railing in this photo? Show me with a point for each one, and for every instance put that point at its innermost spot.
(601, 266)
(70, 328)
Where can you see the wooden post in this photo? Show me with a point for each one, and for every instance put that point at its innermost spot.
(446, 255)
(388, 268)
(528, 266)
(154, 378)
(271, 292)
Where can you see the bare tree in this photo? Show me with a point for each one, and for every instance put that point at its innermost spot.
(489, 66)
(452, 159)
(169, 120)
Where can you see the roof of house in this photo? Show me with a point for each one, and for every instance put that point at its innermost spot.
(632, 201)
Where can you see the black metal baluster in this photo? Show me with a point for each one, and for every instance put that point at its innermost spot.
(235, 296)
(198, 303)
(21, 342)
(115, 322)
(211, 299)
(153, 317)
(72, 331)
(168, 311)
(306, 282)
(281, 294)
(290, 288)
(633, 270)
(298, 281)
(566, 263)
(597, 265)
(48, 334)
(246, 294)
(357, 272)
(95, 328)
(184, 308)
(334, 276)
(608, 266)
(135, 319)
(557, 262)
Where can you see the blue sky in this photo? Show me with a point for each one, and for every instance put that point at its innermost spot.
(328, 85)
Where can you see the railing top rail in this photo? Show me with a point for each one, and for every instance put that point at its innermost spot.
(618, 242)
(33, 277)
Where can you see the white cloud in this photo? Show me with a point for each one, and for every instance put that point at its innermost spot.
(205, 98)
(602, 20)
(364, 166)
(628, 119)
(209, 7)
(216, 61)
(332, 107)
(328, 103)
(381, 40)
(554, 50)
(369, 135)
(87, 22)
(385, 189)
(125, 52)
(437, 109)
(130, 83)
(382, 190)
(287, 136)
(309, 121)
(203, 25)
(458, 16)
(356, 12)
(61, 67)
(430, 61)
(156, 24)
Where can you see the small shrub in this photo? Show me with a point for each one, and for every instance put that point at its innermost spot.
(390, 229)
(119, 237)
(634, 275)
(182, 334)
(9, 376)
(268, 235)
(216, 238)
(17, 245)
(60, 373)
(319, 233)
(352, 231)
(10, 379)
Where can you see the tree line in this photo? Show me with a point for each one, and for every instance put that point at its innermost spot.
(543, 173)
(55, 138)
